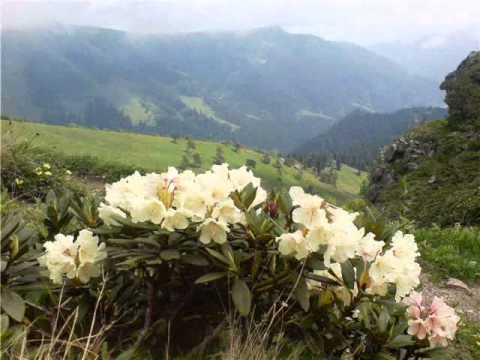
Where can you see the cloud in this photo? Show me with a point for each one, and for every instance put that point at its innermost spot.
(361, 21)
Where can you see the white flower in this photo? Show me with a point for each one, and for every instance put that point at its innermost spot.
(152, 210)
(74, 259)
(310, 212)
(46, 166)
(213, 230)
(195, 204)
(369, 248)
(89, 251)
(175, 219)
(107, 214)
(241, 177)
(60, 257)
(396, 266)
(227, 212)
(404, 245)
(90, 254)
(86, 271)
(293, 244)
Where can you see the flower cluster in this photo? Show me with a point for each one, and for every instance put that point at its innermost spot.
(44, 170)
(437, 322)
(398, 266)
(76, 259)
(322, 224)
(174, 200)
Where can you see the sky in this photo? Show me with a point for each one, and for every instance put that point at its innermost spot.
(364, 22)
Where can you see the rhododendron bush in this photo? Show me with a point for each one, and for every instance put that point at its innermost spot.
(178, 245)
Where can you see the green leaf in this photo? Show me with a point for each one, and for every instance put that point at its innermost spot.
(218, 256)
(4, 323)
(197, 260)
(210, 277)
(170, 254)
(383, 320)
(242, 297)
(127, 354)
(401, 341)
(13, 304)
(303, 295)
(384, 356)
(247, 195)
(315, 262)
(3, 264)
(348, 274)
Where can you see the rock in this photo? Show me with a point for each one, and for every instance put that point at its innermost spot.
(458, 284)
(411, 166)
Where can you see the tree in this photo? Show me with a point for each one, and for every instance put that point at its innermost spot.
(191, 144)
(185, 163)
(251, 164)
(197, 160)
(266, 158)
(219, 156)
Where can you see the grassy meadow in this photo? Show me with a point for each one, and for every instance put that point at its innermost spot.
(156, 153)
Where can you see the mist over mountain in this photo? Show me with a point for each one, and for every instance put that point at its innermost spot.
(264, 88)
(432, 56)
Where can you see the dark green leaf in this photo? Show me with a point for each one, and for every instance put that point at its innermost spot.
(384, 356)
(401, 341)
(218, 256)
(348, 274)
(197, 260)
(170, 254)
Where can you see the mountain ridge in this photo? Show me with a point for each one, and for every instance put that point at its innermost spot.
(265, 88)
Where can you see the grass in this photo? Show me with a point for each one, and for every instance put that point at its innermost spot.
(199, 105)
(156, 153)
(139, 112)
(349, 180)
(466, 345)
(451, 251)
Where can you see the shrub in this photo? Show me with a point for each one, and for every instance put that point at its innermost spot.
(183, 247)
(29, 173)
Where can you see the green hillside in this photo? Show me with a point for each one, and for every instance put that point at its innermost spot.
(155, 153)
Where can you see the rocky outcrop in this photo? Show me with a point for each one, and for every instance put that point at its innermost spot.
(432, 175)
(463, 92)
(402, 156)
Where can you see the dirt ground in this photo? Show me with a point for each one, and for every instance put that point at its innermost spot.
(466, 303)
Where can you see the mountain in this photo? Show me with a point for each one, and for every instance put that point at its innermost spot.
(433, 56)
(264, 88)
(357, 138)
(432, 175)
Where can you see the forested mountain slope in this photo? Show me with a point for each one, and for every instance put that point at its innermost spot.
(264, 88)
(357, 138)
